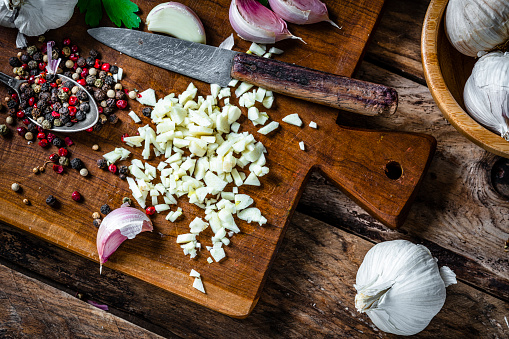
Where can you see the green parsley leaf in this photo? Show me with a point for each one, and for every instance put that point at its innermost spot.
(119, 11)
(122, 11)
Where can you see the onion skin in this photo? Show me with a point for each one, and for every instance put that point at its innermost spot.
(254, 22)
(118, 226)
(301, 12)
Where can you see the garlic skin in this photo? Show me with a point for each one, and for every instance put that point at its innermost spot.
(486, 92)
(35, 17)
(400, 287)
(118, 226)
(301, 12)
(473, 26)
(256, 23)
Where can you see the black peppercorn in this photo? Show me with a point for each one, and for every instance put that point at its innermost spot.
(77, 164)
(31, 127)
(97, 127)
(90, 61)
(68, 74)
(80, 116)
(105, 209)
(65, 119)
(85, 107)
(122, 169)
(24, 86)
(81, 62)
(93, 54)
(106, 87)
(34, 72)
(50, 77)
(120, 95)
(102, 75)
(32, 64)
(45, 87)
(25, 58)
(57, 106)
(97, 222)
(113, 69)
(90, 79)
(37, 56)
(58, 142)
(146, 111)
(82, 95)
(113, 119)
(23, 104)
(107, 110)
(14, 62)
(110, 102)
(69, 124)
(108, 80)
(51, 200)
(12, 104)
(99, 95)
(36, 112)
(122, 176)
(102, 163)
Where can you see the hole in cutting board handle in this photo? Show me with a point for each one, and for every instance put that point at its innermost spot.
(393, 170)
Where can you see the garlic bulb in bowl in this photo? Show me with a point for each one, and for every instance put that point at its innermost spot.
(486, 92)
(474, 26)
(400, 287)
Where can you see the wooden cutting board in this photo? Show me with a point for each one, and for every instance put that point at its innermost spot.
(378, 169)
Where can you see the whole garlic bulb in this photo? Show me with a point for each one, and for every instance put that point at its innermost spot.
(474, 26)
(400, 287)
(486, 92)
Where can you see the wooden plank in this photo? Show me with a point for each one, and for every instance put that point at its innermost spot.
(309, 291)
(32, 309)
(458, 211)
(355, 160)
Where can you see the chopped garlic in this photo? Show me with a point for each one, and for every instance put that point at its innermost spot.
(313, 124)
(268, 101)
(275, 50)
(243, 88)
(198, 284)
(272, 126)
(233, 82)
(293, 119)
(194, 274)
(135, 118)
(210, 260)
(302, 146)
(257, 49)
(162, 207)
(147, 97)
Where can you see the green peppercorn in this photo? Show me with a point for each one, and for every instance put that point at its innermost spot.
(98, 83)
(20, 71)
(45, 124)
(64, 161)
(62, 95)
(66, 51)
(31, 50)
(36, 88)
(3, 130)
(41, 38)
(127, 200)
(57, 122)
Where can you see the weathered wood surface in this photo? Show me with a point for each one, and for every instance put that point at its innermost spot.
(460, 213)
(31, 309)
(309, 292)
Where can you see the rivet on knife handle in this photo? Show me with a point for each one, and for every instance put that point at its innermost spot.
(323, 88)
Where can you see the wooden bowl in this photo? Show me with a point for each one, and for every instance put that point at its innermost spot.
(446, 71)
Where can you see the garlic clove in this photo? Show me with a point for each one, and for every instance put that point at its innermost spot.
(486, 92)
(256, 23)
(177, 20)
(36, 17)
(301, 11)
(477, 25)
(118, 226)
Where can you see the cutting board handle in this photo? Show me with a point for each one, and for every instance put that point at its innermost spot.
(379, 170)
(319, 87)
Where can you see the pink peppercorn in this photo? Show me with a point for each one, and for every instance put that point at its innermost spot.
(43, 142)
(51, 136)
(58, 168)
(150, 210)
(90, 129)
(21, 131)
(76, 196)
(68, 141)
(67, 41)
(121, 104)
(62, 152)
(112, 168)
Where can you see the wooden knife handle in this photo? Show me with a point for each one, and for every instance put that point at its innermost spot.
(379, 170)
(319, 87)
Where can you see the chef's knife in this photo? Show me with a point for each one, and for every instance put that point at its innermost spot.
(220, 66)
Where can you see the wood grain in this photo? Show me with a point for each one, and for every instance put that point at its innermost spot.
(309, 292)
(239, 278)
(319, 87)
(32, 309)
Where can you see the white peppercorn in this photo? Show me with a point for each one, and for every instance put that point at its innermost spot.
(92, 71)
(110, 93)
(118, 87)
(132, 95)
(15, 187)
(84, 172)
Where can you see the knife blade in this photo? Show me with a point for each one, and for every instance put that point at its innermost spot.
(219, 66)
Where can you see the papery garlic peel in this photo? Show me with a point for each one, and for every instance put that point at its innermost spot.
(118, 226)
(301, 11)
(254, 22)
(177, 20)
(473, 26)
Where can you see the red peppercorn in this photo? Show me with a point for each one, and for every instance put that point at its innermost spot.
(41, 135)
(20, 114)
(121, 104)
(125, 135)
(24, 66)
(72, 110)
(55, 114)
(112, 168)
(82, 82)
(126, 91)
(150, 210)
(84, 73)
(42, 66)
(105, 67)
(35, 105)
(54, 85)
(76, 196)
(73, 57)
(40, 80)
(89, 129)
(51, 136)
(31, 101)
(67, 41)
(14, 96)
(26, 121)
(21, 131)
(40, 129)
(65, 89)
(74, 49)
(73, 100)
(68, 141)
(100, 109)
(53, 157)
(58, 168)
(139, 95)
(43, 142)
(31, 79)
(62, 152)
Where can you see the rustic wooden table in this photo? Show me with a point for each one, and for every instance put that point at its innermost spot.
(460, 214)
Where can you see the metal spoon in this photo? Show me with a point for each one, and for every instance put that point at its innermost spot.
(91, 117)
